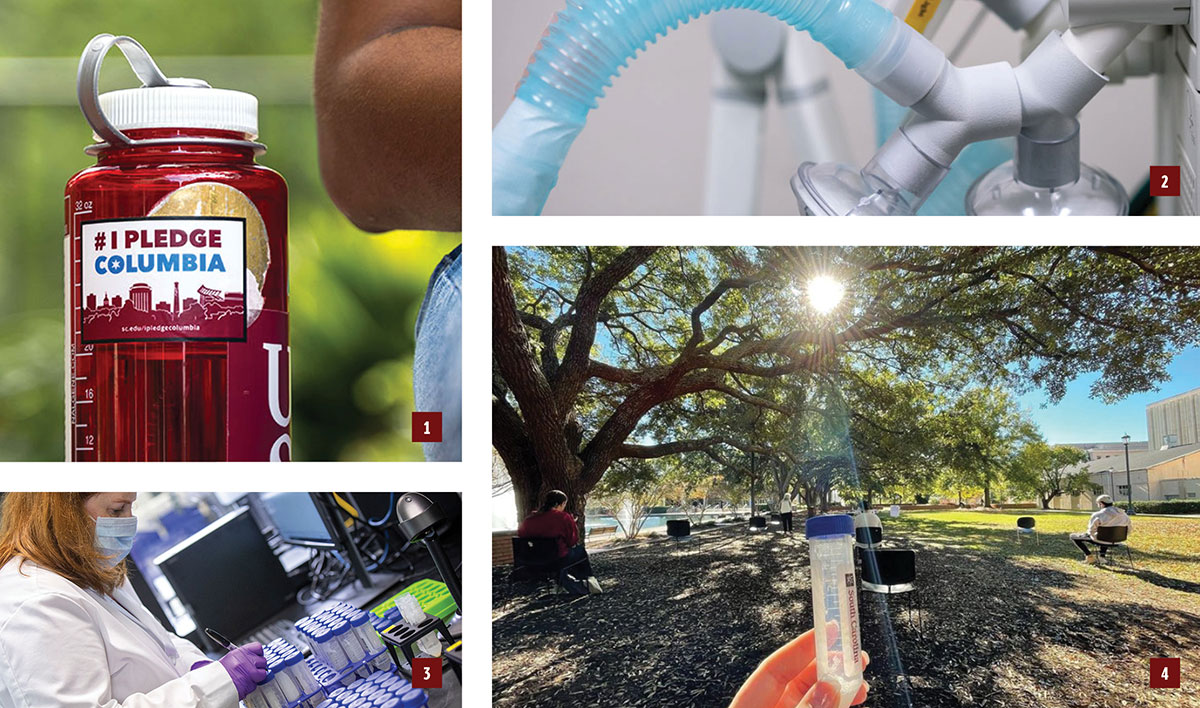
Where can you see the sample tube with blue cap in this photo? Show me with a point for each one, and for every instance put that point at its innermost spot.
(349, 643)
(835, 603)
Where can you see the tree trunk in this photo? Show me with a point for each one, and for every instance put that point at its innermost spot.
(987, 494)
(530, 485)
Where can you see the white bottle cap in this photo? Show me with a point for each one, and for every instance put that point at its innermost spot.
(182, 107)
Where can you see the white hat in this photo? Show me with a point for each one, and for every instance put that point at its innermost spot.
(1104, 499)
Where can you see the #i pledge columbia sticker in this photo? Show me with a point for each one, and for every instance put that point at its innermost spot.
(162, 278)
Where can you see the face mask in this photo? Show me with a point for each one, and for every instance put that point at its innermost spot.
(114, 537)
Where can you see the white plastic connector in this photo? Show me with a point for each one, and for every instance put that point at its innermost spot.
(966, 106)
(1055, 81)
(905, 67)
(1017, 13)
(1098, 45)
(1081, 13)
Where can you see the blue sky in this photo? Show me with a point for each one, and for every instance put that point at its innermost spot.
(1078, 418)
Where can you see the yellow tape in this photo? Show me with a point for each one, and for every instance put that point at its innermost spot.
(921, 12)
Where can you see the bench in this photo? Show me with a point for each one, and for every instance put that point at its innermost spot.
(601, 531)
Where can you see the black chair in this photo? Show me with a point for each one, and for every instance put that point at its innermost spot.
(1027, 525)
(892, 572)
(537, 559)
(1114, 536)
(679, 529)
(758, 522)
(868, 536)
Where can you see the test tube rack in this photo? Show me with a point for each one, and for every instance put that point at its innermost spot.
(401, 635)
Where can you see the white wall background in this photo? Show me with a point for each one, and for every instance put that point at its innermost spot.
(643, 150)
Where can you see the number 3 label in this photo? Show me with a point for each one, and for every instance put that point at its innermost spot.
(427, 673)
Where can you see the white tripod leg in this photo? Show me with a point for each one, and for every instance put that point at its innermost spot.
(806, 96)
(749, 47)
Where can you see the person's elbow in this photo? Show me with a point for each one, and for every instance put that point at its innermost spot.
(389, 130)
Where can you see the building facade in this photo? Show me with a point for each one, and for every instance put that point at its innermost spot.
(1155, 475)
(1174, 421)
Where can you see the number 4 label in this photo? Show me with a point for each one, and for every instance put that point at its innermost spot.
(426, 427)
(1164, 180)
(427, 673)
(1164, 673)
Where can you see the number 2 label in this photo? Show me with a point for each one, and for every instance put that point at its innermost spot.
(1164, 180)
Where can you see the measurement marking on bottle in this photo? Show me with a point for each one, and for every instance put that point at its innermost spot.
(84, 354)
(82, 449)
(81, 425)
(82, 401)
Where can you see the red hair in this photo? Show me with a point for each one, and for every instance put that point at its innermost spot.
(53, 530)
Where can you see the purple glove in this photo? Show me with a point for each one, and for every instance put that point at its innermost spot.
(246, 666)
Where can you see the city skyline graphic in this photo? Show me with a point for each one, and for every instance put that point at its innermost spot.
(208, 313)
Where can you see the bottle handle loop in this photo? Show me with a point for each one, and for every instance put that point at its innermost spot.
(87, 88)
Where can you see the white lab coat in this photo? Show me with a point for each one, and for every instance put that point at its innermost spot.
(65, 647)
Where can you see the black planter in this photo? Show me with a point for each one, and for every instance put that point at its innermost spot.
(758, 522)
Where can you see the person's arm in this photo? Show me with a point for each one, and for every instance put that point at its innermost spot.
(188, 652)
(571, 532)
(388, 92)
(1093, 524)
(51, 654)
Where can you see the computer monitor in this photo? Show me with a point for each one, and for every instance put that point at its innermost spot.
(302, 520)
(298, 520)
(227, 577)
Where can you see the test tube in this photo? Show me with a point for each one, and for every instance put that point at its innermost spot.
(349, 642)
(835, 603)
(370, 640)
(284, 681)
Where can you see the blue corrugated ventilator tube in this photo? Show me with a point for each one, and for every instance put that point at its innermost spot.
(592, 40)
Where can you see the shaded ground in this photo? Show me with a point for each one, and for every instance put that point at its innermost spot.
(1004, 625)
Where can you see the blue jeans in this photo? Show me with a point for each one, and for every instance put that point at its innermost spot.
(437, 362)
(574, 570)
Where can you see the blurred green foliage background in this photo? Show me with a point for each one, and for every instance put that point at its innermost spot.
(354, 296)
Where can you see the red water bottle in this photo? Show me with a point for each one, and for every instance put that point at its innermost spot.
(176, 275)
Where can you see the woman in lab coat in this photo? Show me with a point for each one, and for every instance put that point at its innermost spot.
(73, 633)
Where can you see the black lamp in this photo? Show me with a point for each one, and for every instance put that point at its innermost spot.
(419, 519)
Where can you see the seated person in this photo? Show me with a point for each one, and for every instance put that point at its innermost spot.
(1108, 515)
(553, 521)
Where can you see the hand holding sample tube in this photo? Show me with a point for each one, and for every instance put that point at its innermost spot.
(788, 678)
(818, 669)
(246, 666)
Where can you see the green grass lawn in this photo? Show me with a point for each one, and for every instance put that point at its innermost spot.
(1161, 546)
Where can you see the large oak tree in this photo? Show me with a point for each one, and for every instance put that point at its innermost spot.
(592, 345)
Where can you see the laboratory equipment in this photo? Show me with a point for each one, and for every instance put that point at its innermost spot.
(1073, 50)
(306, 520)
(329, 678)
(412, 613)
(1047, 179)
(207, 568)
(422, 520)
(835, 603)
